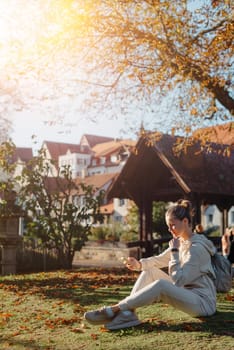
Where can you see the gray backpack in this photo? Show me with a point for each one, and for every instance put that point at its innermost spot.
(223, 273)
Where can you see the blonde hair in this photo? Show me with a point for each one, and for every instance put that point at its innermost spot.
(181, 209)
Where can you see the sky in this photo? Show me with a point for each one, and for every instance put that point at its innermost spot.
(28, 63)
(27, 124)
(32, 68)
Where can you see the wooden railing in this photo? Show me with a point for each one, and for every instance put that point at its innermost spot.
(156, 246)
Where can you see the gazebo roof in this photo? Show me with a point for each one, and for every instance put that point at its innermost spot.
(157, 172)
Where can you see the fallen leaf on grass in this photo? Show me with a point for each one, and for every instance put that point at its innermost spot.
(79, 308)
(78, 330)
(7, 345)
(16, 333)
(151, 319)
(104, 330)
(52, 284)
(19, 301)
(189, 328)
(82, 346)
(5, 316)
(60, 321)
(58, 303)
(94, 286)
(162, 323)
(230, 297)
(94, 336)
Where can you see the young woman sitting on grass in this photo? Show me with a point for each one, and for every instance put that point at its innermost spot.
(188, 286)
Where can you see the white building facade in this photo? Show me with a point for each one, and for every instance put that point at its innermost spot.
(78, 163)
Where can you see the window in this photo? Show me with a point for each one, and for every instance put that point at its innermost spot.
(118, 218)
(75, 200)
(121, 202)
(80, 161)
(114, 158)
(78, 201)
(210, 218)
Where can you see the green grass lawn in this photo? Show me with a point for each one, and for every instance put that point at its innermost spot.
(45, 311)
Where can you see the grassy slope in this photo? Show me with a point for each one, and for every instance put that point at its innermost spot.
(45, 311)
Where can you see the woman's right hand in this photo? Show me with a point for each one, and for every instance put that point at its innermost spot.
(133, 264)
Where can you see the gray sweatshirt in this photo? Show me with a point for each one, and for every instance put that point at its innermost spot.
(189, 268)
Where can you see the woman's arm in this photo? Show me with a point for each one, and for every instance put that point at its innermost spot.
(160, 261)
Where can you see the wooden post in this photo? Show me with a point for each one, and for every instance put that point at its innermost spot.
(196, 202)
(9, 239)
(146, 226)
(224, 220)
(224, 208)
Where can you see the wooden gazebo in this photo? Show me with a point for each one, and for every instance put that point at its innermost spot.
(166, 168)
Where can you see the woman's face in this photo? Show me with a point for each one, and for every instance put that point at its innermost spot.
(175, 226)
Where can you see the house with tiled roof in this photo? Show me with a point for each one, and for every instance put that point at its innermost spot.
(64, 154)
(94, 155)
(21, 157)
(116, 209)
(55, 149)
(98, 181)
(22, 154)
(77, 161)
(110, 156)
(96, 160)
(90, 141)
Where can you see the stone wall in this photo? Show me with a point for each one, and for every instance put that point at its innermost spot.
(104, 254)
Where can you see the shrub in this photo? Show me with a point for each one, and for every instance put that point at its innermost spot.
(213, 231)
(129, 236)
(98, 233)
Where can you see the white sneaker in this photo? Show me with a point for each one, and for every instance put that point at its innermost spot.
(99, 316)
(123, 319)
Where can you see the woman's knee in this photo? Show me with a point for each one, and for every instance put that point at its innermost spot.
(144, 279)
(163, 284)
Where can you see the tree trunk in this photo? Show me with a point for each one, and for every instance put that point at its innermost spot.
(212, 85)
(65, 259)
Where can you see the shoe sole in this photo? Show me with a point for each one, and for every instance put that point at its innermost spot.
(97, 322)
(124, 325)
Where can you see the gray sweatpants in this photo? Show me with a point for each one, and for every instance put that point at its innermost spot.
(154, 285)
